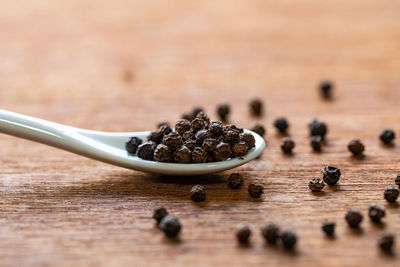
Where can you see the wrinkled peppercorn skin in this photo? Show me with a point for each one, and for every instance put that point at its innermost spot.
(182, 126)
(316, 185)
(198, 193)
(132, 145)
(235, 180)
(331, 175)
(162, 153)
(255, 190)
(199, 155)
(146, 150)
(173, 141)
(222, 152)
(248, 139)
(239, 149)
(182, 155)
(391, 194)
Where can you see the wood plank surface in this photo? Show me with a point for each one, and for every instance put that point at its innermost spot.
(126, 65)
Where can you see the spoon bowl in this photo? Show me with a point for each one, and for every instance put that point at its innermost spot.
(109, 147)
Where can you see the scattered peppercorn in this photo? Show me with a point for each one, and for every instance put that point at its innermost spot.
(243, 234)
(317, 128)
(391, 194)
(328, 228)
(316, 185)
(182, 155)
(387, 136)
(198, 193)
(223, 111)
(287, 145)
(255, 189)
(353, 218)
(397, 180)
(325, 88)
(170, 225)
(256, 107)
(270, 232)
(316, 143)
(132, 145)
(182, 126)
(376, 213)
(331, 175)
(162, 153)
(281, 125)
(159, 214)
(146, 150)
(386, 243)
(258, 129)
(222, 152)
(356, 147)
(199, 155)
(235, 180)
(288, 239)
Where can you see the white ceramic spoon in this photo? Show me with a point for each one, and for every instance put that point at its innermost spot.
(109, 147)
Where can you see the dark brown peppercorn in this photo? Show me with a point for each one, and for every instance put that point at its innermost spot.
(356, 147)
(235, 180)
(198, 124)
(155, 136)
(231, 127)
(316, 143)
(249, 140)
(232, 137)
(316, 185)
(239, 149)
(173, 141)
(255, 189)
(182, 126)
(243, 234)
(258, 129)
(387, 136)
(391, 194)
(162, 153)
(318, 128)
(386, 242)
(223, 111)
(325, 88)
(159, 214)
(202, 135)
(216, 128)
(376, 213)
(165, 129)
(170, 225)
(281, 125)
(331, 175)
(204, 117)
(199, 155)
(256, 107)
(353, 218)
(210, 144)
(397, 180)
(287, 145)
(182, 155)
(288, 239)
(270, 232)
(190, 116)
(188, 135)
(146, 150)
(191, 144)
(132, 145)
(222, 152)
(198, 193)
(328, 228)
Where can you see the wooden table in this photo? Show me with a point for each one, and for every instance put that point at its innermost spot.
(126, 65)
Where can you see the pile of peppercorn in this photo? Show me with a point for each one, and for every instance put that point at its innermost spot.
(195, 140)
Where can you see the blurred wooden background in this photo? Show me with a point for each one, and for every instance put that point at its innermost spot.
(126, 65)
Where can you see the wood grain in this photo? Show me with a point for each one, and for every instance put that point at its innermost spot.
(126, 65)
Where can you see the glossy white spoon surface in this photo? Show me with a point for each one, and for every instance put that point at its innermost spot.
(109, 147)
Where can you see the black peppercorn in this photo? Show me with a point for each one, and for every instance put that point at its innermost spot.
(287, 145)
(173, 141)
(288, 239)
(356, 147)
(258, 129)
(202, 135)
(188, 135)
(199, 155)
(198, 124)
(182, 155)
(318, 128)
(222, 152)
(162, 153)
(155, 136)
(232, 137)
(248, 139)
(204, 117)
(391, 194)
(325, 88)
(231, 127)
(146, 150)
(165, 129)
(397, 180)
(376, 213)
(353, 218)
(331, 175)
(198, 193)
(216, 128)
(270, 232)
(239, 149)
(243, 234)
(182, 126)
(256, 107)
(281, 125)
(223, 111)
(170, 225)
(191, 144)
(162, 123)
(235, 180)
(328, 228)
(386, 242)
(255, 190)
(316, 185)
(159, 214)
(316, 143)
(132, 145)
(210, 144)
(387, 136)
